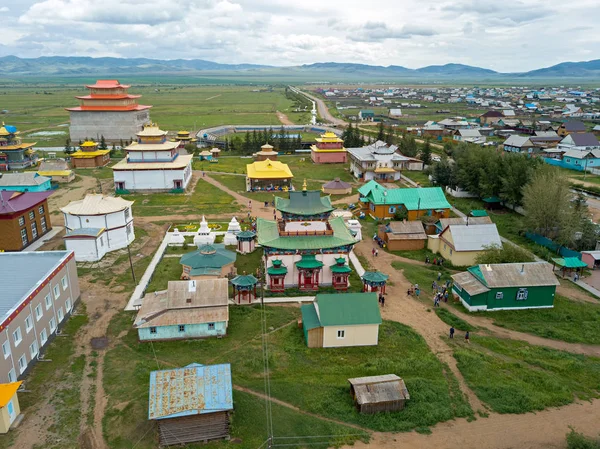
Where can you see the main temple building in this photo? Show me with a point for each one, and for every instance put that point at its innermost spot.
(306, 248)
(110, 111)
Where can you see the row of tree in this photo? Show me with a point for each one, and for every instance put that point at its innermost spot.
(252, 141)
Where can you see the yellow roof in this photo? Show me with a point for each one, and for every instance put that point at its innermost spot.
(7, 391)
(18, 146)
(329, 137)
(89, 143)
(384, 170)
(268, 169)
(89, 154)
(328, 150)
(56, 173)
(4, 132)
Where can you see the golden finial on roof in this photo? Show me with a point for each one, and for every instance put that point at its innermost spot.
(304, 185)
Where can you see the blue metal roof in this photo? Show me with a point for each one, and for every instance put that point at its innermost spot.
(85, 232)
(193, 390)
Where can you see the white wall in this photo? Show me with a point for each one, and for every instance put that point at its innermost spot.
(152, 179)
(139, 156)
(116, 236)
(358, 335)
(291, 278)
(88, 250)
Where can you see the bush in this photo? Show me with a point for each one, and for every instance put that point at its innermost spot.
(577, 440)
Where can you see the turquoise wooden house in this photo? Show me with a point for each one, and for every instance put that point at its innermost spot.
(25, 182)
(506, 286)
(187, 309)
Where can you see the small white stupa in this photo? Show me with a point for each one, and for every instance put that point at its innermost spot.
(204, 236)
(233, 229)
(177, 239)
(356, 229)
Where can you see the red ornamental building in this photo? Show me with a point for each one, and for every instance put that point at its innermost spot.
(108, 110)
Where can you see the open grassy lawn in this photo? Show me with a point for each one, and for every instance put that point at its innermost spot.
(452, 320)
(313, 379)
(423, 275)
(98, 173)
(168, 269)
(512, 376)
(248, 263)
(205, 199)
(418, 176)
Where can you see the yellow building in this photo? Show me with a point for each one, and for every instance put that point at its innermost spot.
(9, 405)
(268, 175)
(89, 156)
(461, 244)
(183, 137)
(57, 169)
(329, 149)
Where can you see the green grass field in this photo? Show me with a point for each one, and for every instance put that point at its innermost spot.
(512, 376)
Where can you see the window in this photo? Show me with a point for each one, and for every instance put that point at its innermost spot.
(21, 221)
(56, 291)
(60, 314)
(153, 330)
(211, 326)
(43, 336)
(522, 294)
(24, 236)
(31, 215)
(499, 295)
(48, 301)
(28, 323)
(341, 334)
(52, 324)
(22, 364)
(38, 312)
(182, 328)
(33, 349)
(44, 226)
(41, 210)
(34, 230)
(12, 376)
(6, 349)
(64, 282)
(392, 210)
(68, 305)
(17, 337)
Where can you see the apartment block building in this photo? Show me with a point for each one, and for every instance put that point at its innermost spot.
(39, 293)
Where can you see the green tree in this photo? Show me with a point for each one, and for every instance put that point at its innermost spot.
(517, 170)
(448, 148)
(506, 253)
(68, 147)
(102, 145)
(227, 144)
(426, 153)
(442, 173)
(408, 146)
(247, 145)
(381, 132)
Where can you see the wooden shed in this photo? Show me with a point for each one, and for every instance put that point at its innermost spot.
(386, 393)
(403, 235)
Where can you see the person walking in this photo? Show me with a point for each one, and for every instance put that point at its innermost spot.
(446, 296)
(451, 332)
(249, 204)
(434, 285)
(439, 275)
(382, 301)
(467, 336)
(373, 252)
(417, 290)
(376, 252)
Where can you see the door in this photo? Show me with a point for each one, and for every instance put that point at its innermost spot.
(11, 411)
(178, 184)
(120, 186)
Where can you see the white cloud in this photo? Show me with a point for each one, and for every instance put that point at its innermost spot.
(410, 33)
(4, 9)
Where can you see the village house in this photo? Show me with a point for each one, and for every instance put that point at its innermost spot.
(506, 286)
(191, 404)
(109, 110)
(579, 160)
(337, 187)
(56, 169)
(468, 135)
(90, 156)
(329, 149)
(443, 223)
(380, 161)
(461, 244)
(382, 203)
(268, 175)
(490, 117)
(570, 127)
(366, 115)
(375, 394)
(96, 225)
(24, 218)
(187, 309)
(40, 296)
(153, 164)
(10, 410)
(403, 235)
(518, 144)
(579, 142)
(14, 153)
(341, 320)
(208, 262)
(24, 182)
(304, 248)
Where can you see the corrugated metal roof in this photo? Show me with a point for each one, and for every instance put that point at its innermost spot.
(348, 309)
(268, 169)
(27, 178)
(22, 272)
(378, 389)
(473, 221)
(202, 258)
(569, 262)
(193, 390)
(19, 201)
(515, 140)
(424, 198)
(268, 235)
(310, 319)
(469, 283)
(528, 274)
(473, 238)
(96, 204)
(304, 203)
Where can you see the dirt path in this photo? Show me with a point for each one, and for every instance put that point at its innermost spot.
(347, 199)
(284, 118)
(574, 294)
(324, 110)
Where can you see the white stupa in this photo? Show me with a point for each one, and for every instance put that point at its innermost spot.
(204, 236)
(177, 239)
(356, 228)
(233, 229)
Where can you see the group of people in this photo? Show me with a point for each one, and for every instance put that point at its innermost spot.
(436, 261)
(375, 252)
(467, 335)
(441, 291)
(381, 299)
(414, 290)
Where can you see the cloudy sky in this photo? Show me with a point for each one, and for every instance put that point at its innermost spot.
(507, 35)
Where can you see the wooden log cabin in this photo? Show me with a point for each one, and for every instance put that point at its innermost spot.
(386, 393)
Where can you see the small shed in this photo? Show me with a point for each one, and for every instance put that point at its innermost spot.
(337, 187)
(9, 406)
(374, 394)
(191, 404)
(591, 258)
(568, 264)
(403, 235)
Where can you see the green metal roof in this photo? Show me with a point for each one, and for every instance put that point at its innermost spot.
(348, 309)
(476, 271)
(374, 276)
(246, 235)
(491, 199)
(310, 319)
(275, 270)
(479, 213)
(268, 236)
(569, 262)
(208, 257)
(304, 203)
(245, 280)
(423, 198)
(340, 269)
(309, 261)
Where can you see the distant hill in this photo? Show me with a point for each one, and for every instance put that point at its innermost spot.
(74, 65)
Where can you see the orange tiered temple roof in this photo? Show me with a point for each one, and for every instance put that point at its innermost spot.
(108, 95)
(108, 84)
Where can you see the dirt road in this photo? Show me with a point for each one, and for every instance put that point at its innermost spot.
(284, 118)
(324, 111)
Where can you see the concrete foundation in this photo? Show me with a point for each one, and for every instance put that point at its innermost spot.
(113, 125)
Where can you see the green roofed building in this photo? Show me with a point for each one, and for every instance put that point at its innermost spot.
(306, 248)
(341, 319)
(506, 286)
(212, 261)
(383, 203)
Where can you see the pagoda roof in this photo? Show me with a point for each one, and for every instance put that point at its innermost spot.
(89, 143)
(108, 97)
(129, 107)
(207, 257)
(309, 261)
(329, 137)
(152, 130)
(246, 235)
(374, 276)
(18, 146)
(107, 84)
(304, 203)
(268, 169)
(89, 154)
(244, 280)
(268, 236)
(7, 130)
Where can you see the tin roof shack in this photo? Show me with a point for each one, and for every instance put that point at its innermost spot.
(188, 309)
(403, 235)
(506, 286)
(374, 394)
(191, 404)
